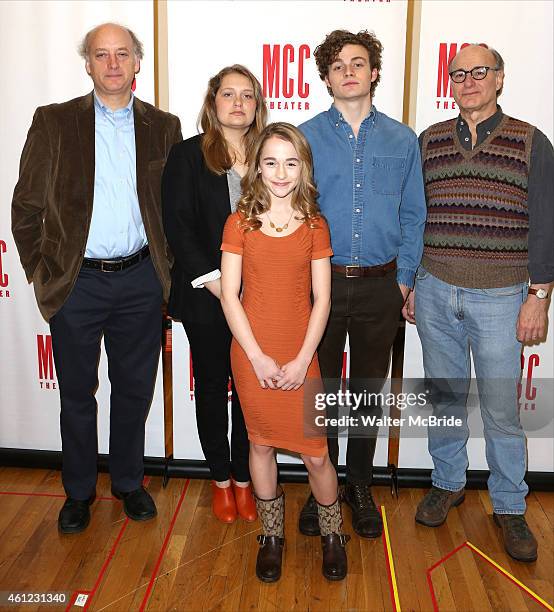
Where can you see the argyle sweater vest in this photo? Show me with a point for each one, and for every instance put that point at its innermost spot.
(477, 217)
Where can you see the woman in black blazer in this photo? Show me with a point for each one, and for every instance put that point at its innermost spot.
(200, 188)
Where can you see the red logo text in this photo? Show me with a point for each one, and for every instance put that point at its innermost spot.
(45, 358)
(4, 292)
(527, 392)
(284, 84)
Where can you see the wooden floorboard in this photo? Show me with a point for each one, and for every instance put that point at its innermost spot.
(185, 560)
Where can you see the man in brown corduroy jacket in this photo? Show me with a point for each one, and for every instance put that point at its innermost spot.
(86, 219)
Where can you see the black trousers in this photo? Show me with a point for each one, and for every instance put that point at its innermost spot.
(125, 307)
(210, 347)
(367, 309)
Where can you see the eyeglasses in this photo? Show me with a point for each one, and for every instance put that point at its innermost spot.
(478, 73)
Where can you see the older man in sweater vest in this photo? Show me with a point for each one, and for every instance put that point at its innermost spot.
(489, 232)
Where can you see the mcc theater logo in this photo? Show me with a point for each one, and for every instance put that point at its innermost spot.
(284, 77)
(4, 291)
(45, 359)
(527, 391)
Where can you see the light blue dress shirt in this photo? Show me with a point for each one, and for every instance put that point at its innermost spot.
(370, 190)
(116, 228)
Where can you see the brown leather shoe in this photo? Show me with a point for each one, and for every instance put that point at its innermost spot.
(433, 508)
(519, 541)
(308, 521)
(246, 506)
(270, 558)
(335, 565)
(223, 503)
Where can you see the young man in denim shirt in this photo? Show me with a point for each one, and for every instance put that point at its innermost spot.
(368, 173)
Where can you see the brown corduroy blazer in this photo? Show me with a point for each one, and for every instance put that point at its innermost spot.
(52, 201)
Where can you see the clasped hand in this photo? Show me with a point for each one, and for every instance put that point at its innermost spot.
(270, 375)
(267, 370)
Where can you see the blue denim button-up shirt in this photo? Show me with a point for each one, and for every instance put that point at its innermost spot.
(370, 190)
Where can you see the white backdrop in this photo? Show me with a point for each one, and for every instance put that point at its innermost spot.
(39, 43)
(247, 32)
(522, 33)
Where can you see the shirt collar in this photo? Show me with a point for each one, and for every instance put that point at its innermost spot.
(485, 126)
(337, 118)
(108, 111)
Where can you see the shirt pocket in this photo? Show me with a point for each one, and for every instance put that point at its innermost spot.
(388, 174)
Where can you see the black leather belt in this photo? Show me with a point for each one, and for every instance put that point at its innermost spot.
(367, 271)
(116, 265)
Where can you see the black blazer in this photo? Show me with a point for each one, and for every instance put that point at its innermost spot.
(195, 206)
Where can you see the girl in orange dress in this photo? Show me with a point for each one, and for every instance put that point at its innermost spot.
(277, 248)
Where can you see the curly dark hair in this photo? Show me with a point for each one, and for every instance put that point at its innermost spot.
(327, 52)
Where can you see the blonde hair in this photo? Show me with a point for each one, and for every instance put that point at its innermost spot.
(214, 145)
(256, 199)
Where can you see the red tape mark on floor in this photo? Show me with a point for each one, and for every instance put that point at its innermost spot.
(101, 572)
(111, 554)
(154, 576)
(23, 494)
(496, 566)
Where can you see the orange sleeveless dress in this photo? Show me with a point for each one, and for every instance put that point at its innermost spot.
(276, 288)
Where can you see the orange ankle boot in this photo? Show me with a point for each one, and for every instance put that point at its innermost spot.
(223, 503)
(246, 505)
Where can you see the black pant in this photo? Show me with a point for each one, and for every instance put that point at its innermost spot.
(210, 348)
(368, 310)
(125, 307)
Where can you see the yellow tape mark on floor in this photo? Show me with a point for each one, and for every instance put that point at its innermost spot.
(391, 560)
(507, 573)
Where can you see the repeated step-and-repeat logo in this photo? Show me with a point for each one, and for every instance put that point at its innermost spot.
(285, 86)
(45, 360)
(527, 391)
(4, 279)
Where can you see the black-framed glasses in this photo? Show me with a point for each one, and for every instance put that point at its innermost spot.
(478, 73)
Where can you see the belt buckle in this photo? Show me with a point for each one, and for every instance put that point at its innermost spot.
(348, 268)
(102, 269)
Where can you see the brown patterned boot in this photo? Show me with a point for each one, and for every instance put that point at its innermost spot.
(272, 541)
(335, 565)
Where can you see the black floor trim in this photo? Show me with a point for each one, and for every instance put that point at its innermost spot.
(189, 468)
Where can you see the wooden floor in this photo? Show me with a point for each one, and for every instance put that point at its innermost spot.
(186, 560)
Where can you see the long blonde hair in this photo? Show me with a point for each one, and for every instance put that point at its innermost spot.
(256, 199)
(214, 145)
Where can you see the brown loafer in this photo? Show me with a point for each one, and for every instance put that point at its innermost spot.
(433, 508)
(519, 541)
(335, 565)
(270, 558)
